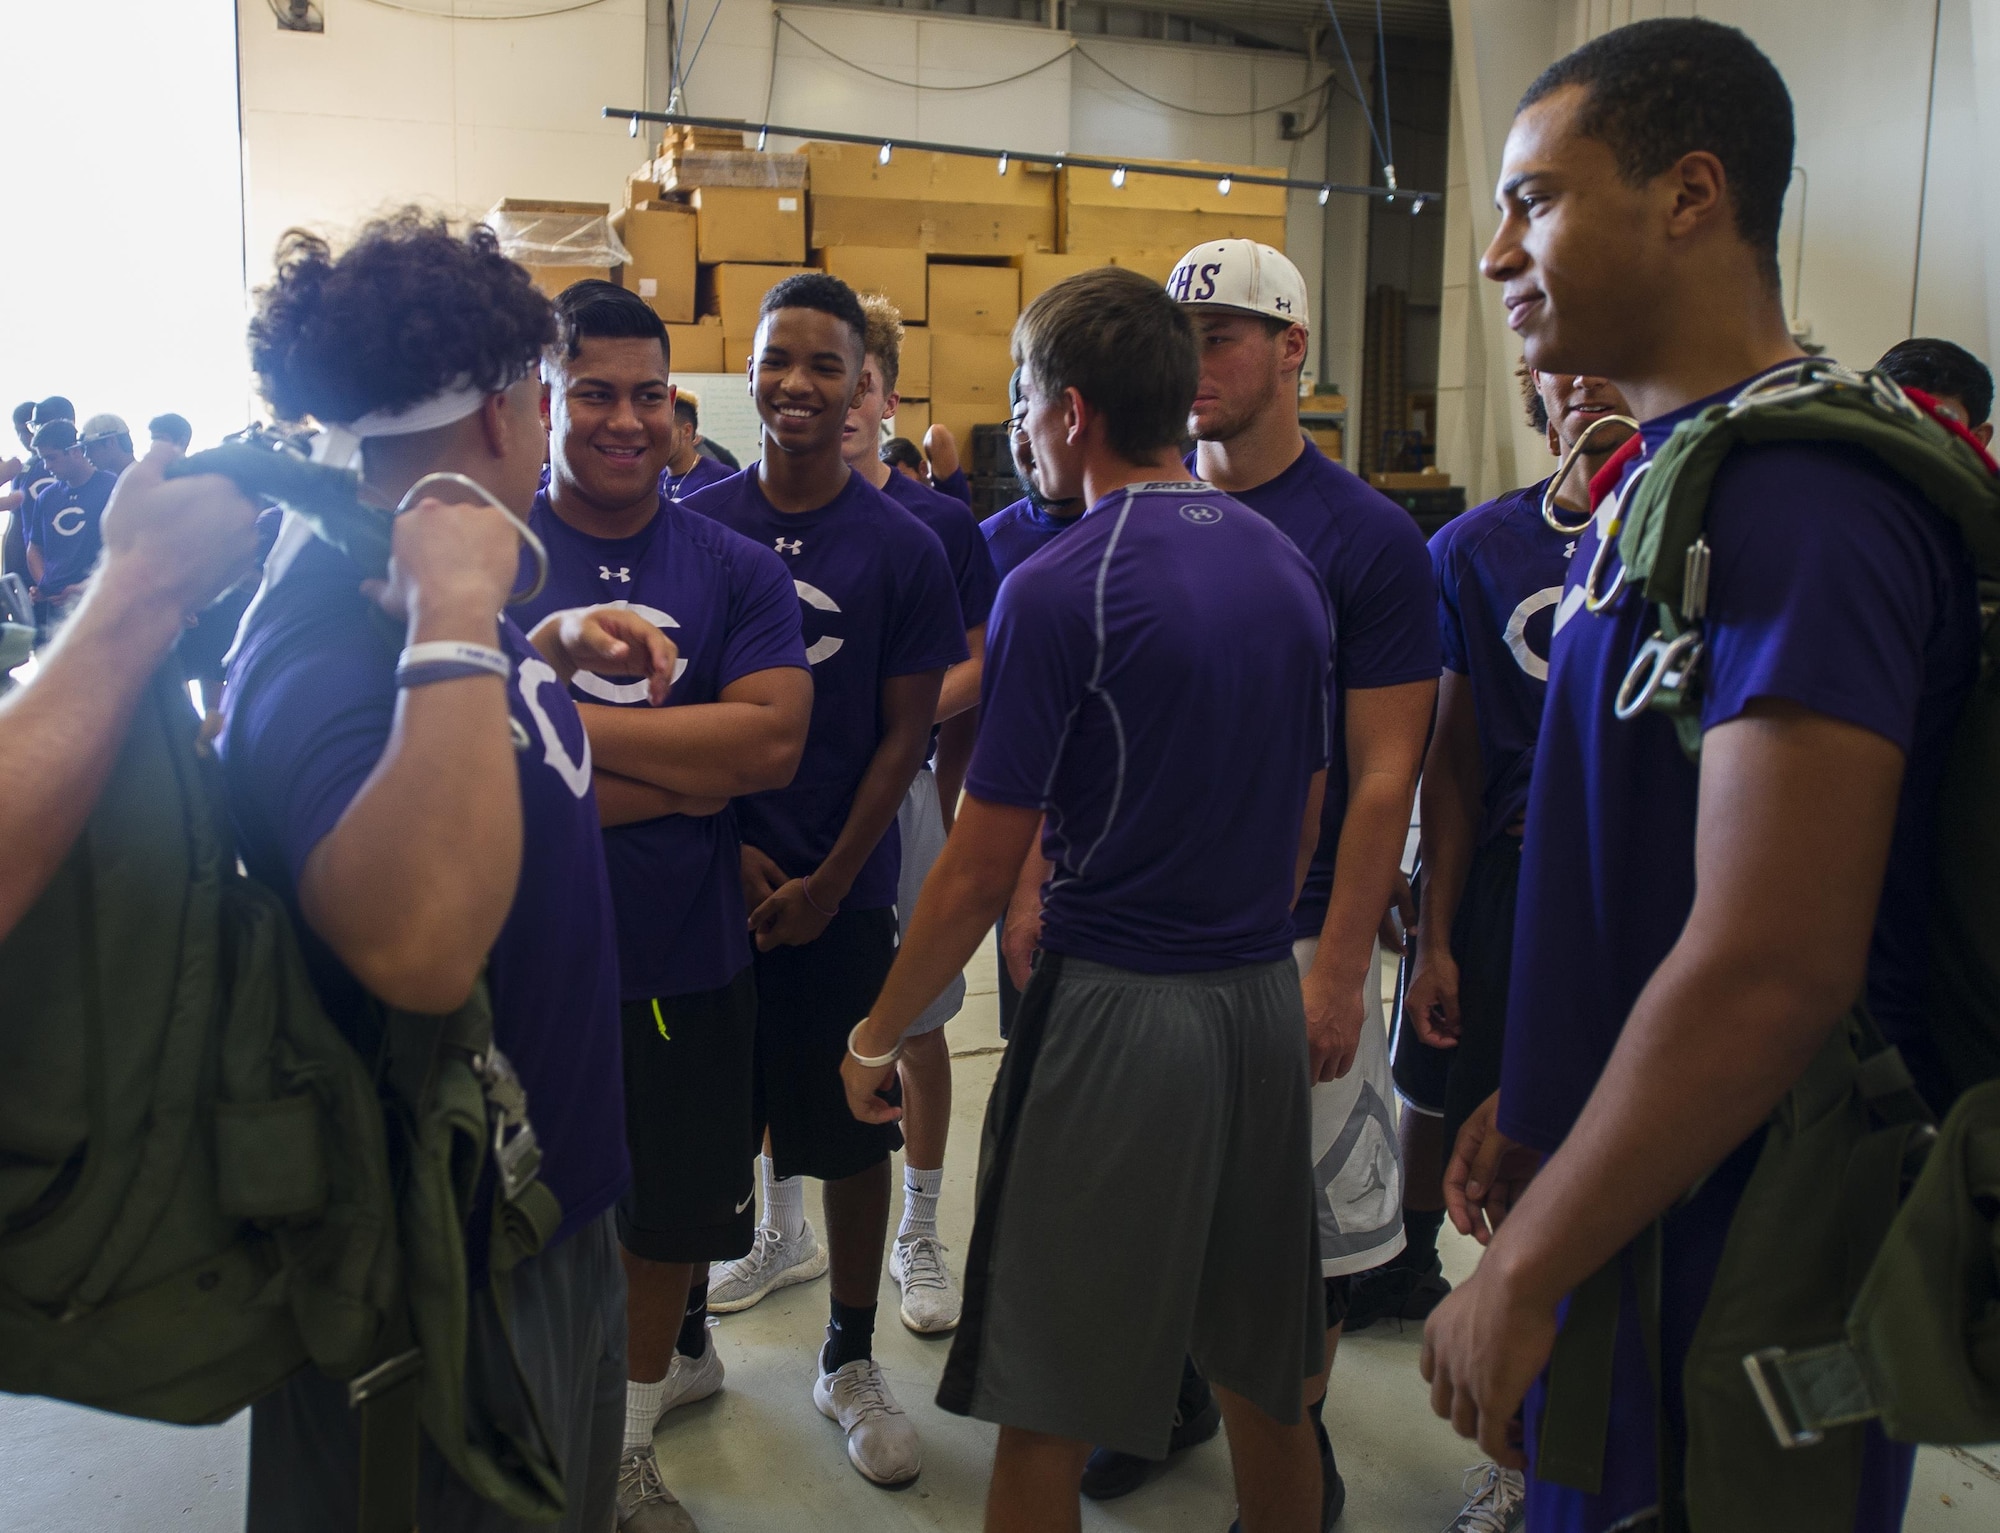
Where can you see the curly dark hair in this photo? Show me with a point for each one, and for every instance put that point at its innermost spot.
(408, 310)
(829, 295)
(1531, 397)
(1660, 89)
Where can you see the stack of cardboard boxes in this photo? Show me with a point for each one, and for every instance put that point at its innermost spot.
(959, 245)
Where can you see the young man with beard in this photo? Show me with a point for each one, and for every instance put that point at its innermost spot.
(1152, 1111)
(1690, 934)
(735, 723)
(1500, 570)
(820, 857)
(931, 1298)
(1249, 308)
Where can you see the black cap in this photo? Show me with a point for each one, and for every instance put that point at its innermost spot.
(54, 408)
(55, 436)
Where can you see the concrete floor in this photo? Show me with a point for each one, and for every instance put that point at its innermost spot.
(758, 1458)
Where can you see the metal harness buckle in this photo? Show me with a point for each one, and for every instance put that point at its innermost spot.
(1660, 663)
(517, 1154)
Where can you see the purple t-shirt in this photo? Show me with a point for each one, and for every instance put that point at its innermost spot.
(1017, 531)
(1833, 586)
(1378, 575)
(64, 524)
(956, 485)
(1500, 574)
(1158, 682)
(727, 605)
(706, 471)
(310, 703)
(972, 572)
(876, 598)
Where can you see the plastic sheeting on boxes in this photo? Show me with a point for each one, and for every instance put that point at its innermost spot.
(556, 233)
(727, 167)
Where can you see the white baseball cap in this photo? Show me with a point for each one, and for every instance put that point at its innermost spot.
(1243, 275)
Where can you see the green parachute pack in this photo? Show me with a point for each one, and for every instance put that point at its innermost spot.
(203, 1186)
(1860, 1277)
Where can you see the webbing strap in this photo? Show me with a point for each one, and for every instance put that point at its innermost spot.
(1576, 1414)
(390, 1403)
(1806, 1393)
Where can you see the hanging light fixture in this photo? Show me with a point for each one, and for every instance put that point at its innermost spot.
(883, 157)
(1324, 193)
(763, 137)
(632, 131)
(1118, 176)
(1224, 184)
(1416, 207)
(1003, 162)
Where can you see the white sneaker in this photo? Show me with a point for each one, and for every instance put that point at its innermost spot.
(881, 1442)
(645, 1505)
(773, 1263)
(692, 1378)
(1498, 1501)
(931, 1300)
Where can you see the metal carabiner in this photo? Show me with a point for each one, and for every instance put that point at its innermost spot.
(534, 544)
(1562, 474)
(1660, 663)
(1610, 526)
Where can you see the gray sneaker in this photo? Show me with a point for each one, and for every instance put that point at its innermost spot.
(1497, 1501)
(645, 1505)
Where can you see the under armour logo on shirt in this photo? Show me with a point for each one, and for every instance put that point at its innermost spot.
(1569, 549)
(783, 547)
(606, 572)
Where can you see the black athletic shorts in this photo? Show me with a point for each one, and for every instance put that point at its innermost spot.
(1449, 1083)
(808, 1000)
(690, 1076)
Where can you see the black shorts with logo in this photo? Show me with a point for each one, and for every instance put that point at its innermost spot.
(1449, 1083)
(690, 1083)
(808, 1000)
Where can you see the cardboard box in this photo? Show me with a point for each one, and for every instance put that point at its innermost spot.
(695, 348)
(553, 279)
(898, 275)
(734, 291)
(677, 170)
(945, 204)
(736, 351)
(960, 415)
(1155, 212)
(640, 187)
(1042, 270)
(749, 223)
(1102, 232)
(913, 374)
(1329, 440)
(974, 300)
(968, 369)
(912, 419)
(661, 238)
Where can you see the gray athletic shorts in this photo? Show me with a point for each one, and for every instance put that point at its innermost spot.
(1145, 1191)
(569, 1331)
(920, 822)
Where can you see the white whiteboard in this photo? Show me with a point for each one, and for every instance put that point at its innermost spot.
(728, 413)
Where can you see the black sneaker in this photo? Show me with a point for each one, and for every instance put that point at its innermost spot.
(1110, 1474)
(1332, 1488)
(1394, 1293)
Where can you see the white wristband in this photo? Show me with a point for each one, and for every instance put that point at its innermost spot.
(880, 1061)
(455, 652)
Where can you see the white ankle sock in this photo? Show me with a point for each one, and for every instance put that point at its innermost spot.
(784, 1200)
(920, 1198)
(642, 1412)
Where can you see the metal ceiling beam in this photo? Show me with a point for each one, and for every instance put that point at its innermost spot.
(635, 116)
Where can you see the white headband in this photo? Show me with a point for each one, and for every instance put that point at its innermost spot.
(339, 442)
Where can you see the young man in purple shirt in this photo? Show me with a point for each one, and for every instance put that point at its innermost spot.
(1153, 1106)
(1250, 310)
(426, 818)
(1500, 570)
(820, 856)
(63, 536)
(735, 723)
(688, 468)
(1690, 934)
(931, 1298)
